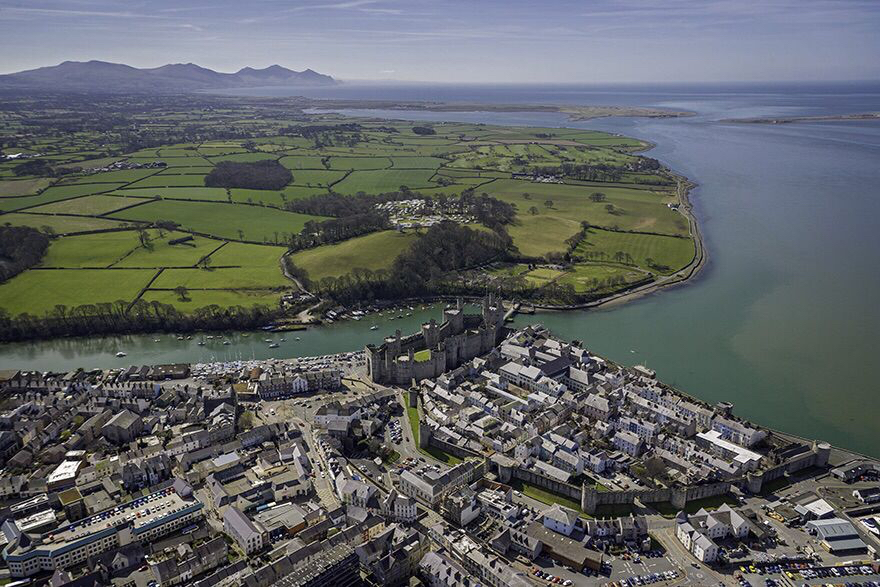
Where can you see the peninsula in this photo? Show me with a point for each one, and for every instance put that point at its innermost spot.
(573, 112)
(466, 449)
(236, 213)
(790, 119)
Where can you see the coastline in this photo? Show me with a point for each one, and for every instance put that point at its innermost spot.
(791, 119)
(574, 113)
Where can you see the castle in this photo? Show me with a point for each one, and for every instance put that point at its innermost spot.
(459, 338)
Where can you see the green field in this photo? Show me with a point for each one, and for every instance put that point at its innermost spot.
(224, 278)
(240, 234)
(23, 187)
(167, 180)
(60, 224)
(352, 163)
(87, 205)
(160, 253)
(90, 250)
(660, 254)
(232, 221)
(595, 278)
(122, 175)
(39, 291)
(224, 298)
(373, 251)
(55, 193)
(179, 193)
(388, 180)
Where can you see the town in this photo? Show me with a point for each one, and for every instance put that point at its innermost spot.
(468, 453)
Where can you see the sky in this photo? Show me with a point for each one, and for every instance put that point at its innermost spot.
(474, 41)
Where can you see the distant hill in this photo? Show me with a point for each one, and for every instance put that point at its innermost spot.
(176, 77)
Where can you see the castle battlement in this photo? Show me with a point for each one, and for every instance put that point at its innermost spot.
(459, 338)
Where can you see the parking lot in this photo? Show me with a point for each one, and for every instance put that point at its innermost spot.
(775, 576)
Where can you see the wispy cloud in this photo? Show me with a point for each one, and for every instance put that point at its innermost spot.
(355, 5)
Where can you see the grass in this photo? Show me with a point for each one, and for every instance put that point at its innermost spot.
(421, 356)
(179, 193)
(317, 177)
(251, 277)
(386, 180)
(121, 175)
(441, 455)
(37, 292)
(55, 193)
(544, 495)
(162, 254)
(166, 180)
(543, 275)
(223, 298)
(352, 163)
(667, 510)
(473, 156)
(668, 254)
(233, 221)
(60, 224)
(535, 235)
(373, 251)
(90, 250)
(592, 277)
(23, 187)
(294, 162)
(413, 415)
(87, 205)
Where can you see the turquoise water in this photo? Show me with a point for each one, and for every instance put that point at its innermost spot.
(783, 319)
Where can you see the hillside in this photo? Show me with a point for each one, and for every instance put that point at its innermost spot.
(171, 78)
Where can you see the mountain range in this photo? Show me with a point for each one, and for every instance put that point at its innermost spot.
(172, 78)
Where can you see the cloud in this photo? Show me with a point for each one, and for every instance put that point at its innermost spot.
(357, 5)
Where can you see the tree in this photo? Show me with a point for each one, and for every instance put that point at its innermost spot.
(145, 240)
(246, 420)
(527, 196)
(533, 210)
(548, 203)
(181, 292)
(597, 197)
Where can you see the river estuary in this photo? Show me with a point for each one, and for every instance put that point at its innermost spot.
(780, 321)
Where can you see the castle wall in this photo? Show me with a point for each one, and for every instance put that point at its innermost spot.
(458, 339)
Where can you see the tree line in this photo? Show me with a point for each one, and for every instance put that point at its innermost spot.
(21, 247)
(421, 270)
(142, 316)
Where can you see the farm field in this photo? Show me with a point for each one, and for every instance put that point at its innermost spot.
(23, 187)
(38, 291)
(87, 205)
(90, 250)
(225, 298)
(373, 251)
(239, 234)
(250, 223)
(660, 254)
(592, 278)
(388, 180)
(54, 194)
(61, 224)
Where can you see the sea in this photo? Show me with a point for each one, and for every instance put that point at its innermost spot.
(783, 319)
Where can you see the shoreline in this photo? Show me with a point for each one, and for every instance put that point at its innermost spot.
(793, 119)
(636, 291)
(573, 112)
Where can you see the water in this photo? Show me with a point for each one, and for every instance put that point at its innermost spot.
(783, 319)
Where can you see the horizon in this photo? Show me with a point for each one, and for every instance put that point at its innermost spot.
(609, 42)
